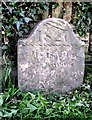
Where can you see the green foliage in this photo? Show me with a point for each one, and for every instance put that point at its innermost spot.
(82, 17)
(18, 19)
(37, 107)
(17, 15)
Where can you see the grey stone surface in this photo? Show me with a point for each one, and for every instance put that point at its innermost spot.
(51, 58)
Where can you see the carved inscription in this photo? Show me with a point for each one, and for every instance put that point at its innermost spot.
(52, 58)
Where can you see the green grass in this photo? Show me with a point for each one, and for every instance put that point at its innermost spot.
(16, 105)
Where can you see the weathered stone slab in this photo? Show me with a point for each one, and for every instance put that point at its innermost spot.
(51, 58)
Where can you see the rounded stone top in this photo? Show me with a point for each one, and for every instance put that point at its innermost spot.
(51, 58)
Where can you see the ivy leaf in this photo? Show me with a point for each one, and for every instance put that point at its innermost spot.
(32, 95)
(89, 21)
(22, 13)
(32, 107)
(40, 11)
(49, 111)
(11, 113)
(1, 115)
(46, 7)
(1, 99)
(27, 19)
(18, 23)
